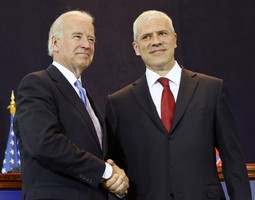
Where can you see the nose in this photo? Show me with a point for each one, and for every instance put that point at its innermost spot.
(156, 40)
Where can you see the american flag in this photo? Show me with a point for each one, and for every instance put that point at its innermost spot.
(12, 154)
(218, 160)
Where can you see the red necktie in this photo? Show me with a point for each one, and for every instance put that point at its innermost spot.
(167, 104)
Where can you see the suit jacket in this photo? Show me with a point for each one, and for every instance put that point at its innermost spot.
(180, 164)
(61, 156)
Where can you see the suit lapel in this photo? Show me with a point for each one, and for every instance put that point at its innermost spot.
(69, 93)
(187, 88)
(142, 95)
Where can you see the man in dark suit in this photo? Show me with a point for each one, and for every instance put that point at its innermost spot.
(61, 132)
(176, 160)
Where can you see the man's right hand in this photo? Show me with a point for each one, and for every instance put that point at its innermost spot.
(118, 183)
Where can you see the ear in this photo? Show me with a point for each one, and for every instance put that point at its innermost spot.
(135, 46)
(55, 43)
(175, 38)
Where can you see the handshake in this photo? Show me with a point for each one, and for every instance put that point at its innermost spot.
(118, 183)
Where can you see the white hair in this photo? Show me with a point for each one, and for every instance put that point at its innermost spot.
(148, 15)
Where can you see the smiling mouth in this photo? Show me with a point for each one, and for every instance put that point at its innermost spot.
(157, 51)
(84, 54)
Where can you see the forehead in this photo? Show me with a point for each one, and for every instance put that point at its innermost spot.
(153, 25)
(77, 24)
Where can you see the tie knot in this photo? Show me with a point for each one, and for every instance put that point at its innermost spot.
(164, 81)
(82, 92)
(78, 84)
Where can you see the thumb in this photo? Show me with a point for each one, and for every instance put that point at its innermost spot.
(111, 162)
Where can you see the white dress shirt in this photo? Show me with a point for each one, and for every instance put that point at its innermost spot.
(156, 89)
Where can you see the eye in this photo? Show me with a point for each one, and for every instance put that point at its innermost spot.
(162, 33)
(77, 36)
(91, 40)
(146, 37)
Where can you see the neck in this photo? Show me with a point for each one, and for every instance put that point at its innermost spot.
(162, 70)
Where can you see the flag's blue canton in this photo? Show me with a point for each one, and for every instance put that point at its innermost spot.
(218, 159)
(12, 155)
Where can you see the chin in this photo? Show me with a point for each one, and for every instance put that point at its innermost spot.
(85, 62)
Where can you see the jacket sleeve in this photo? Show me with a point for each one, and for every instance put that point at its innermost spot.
(42, 136)
(227, 142)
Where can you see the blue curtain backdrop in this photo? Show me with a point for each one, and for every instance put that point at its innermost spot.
(214, 37)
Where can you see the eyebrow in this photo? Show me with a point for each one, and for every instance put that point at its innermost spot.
(80, 33)
(151, 33)
(147, 34)
(77, 33)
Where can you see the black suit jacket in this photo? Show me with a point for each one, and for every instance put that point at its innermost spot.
(181, 164)
(61, 156)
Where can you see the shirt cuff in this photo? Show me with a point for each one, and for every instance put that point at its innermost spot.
(107, 172)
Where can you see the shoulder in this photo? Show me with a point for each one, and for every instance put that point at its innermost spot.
(43, 76)
(129, 88)
(34, 77)
(38, 82)
(186, 73)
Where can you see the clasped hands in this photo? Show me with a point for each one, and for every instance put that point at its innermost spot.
(118, 183)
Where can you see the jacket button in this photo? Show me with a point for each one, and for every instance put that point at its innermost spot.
(171, 137)
(172, 163)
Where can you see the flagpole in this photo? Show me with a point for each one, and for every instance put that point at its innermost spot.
(12, 106)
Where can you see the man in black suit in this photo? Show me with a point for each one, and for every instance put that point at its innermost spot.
(176, 161)
(61, 132)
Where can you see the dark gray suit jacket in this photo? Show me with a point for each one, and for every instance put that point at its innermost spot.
(181, 164)
(60, 152)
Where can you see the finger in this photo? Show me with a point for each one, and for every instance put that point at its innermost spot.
(121, 189)
(117, 183)
(109, 182)
(121, 185)
(110, 161)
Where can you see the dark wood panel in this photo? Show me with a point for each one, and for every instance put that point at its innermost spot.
(14, 180)
(10, 181)
(250, 169)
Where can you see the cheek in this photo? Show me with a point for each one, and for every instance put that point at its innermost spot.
(144, 49)
(92, 49)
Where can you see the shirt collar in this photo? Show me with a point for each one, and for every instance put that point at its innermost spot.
(174, 75)
(66, 72)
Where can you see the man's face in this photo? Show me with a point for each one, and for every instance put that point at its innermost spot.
(75, 47)
(156, 43)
